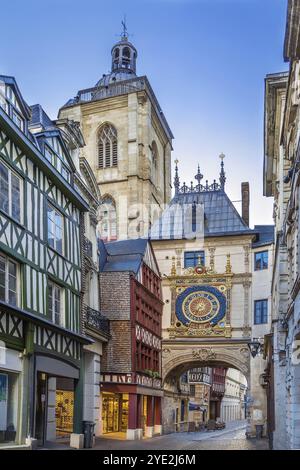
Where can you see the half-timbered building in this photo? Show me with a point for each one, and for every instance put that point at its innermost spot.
(94, 324)
(131, 386)
(41, 371)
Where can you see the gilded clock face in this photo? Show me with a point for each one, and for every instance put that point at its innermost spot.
(201, 304)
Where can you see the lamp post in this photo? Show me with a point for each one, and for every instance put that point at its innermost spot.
(255, 346)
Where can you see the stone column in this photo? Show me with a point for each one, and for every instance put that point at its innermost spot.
(150, 415)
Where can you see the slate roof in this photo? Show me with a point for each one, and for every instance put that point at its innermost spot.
(220, 216)
(39, 117)
(265, 235)
(123, 255)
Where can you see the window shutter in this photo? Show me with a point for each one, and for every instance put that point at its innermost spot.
(100, 154)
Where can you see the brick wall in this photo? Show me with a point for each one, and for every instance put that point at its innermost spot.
(115, 295)
(115, 305)
(117, 352)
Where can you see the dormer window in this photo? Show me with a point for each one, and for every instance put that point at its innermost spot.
(55, 156)
(9, 102)
(18, 120)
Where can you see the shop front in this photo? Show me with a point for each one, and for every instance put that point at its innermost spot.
(115, 412)
(10, 396)
(130, 410)
(55, 398)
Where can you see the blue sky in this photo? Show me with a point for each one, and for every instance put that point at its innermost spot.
(206, 61)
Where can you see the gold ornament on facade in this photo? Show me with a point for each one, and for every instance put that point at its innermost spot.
(228, 265)
(173, 268)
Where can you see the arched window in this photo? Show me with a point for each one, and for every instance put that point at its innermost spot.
(107, 147)
(154, 160)
(126, 52)
(154, 154)
(107, 226)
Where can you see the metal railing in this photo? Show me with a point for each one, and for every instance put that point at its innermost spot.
(113, 89)
(95, 320)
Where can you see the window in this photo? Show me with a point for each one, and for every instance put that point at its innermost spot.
(10, 189)
(8, 280)
(55, 304)
(107, 147)
(56, 158)
(261, 260)
(107, 226)
(260, 312)
(55, 229)
(191, 258)
(18, 120)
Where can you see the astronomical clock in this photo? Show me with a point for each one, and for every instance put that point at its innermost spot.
(201, 302)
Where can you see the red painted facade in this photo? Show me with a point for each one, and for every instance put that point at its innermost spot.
(140, 385)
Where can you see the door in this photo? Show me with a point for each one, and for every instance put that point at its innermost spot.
(111, 404)
(41, 408)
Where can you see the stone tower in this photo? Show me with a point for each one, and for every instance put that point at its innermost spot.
(128, 145)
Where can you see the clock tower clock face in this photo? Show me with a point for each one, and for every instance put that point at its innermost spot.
(201, 304)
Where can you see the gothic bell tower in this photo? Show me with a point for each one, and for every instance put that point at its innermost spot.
(128, 145)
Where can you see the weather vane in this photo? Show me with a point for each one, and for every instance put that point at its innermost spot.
(124, 33)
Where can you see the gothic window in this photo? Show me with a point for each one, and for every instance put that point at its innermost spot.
(154, 154)
(107, 227)
(107, 147)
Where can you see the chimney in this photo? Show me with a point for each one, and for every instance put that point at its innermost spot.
(245, 202)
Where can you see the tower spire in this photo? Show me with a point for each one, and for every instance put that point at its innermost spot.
(222, 172)
(198, 178)
(176, 178)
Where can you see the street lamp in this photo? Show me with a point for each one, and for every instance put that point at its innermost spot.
(255, 346)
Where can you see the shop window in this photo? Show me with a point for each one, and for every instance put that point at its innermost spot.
(8, 407)
(64, 410)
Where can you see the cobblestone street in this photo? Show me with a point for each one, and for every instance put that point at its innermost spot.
(232, 438)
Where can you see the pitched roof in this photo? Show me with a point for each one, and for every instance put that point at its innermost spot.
(220, 216)
(265, 235)
(22, 103)
(39, 116)
(123, 255)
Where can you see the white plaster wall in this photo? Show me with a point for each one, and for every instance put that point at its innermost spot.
(91, 407)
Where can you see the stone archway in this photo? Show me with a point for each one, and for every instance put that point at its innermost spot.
(176, 357)
(184, 355)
